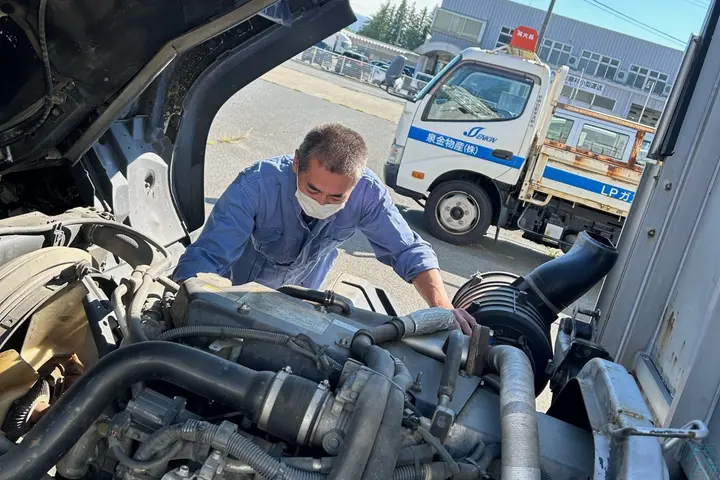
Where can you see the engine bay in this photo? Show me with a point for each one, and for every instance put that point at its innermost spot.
(135, 377)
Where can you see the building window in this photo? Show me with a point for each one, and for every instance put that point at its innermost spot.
(555, 53)
(506, 34)
(559, 129)
(603, 102)
(644, 78)
(650, 116)
(458, 25)
(598, 65)
(592, 100)
(603, 142)
(475, 93)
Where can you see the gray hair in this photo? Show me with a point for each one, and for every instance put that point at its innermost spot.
(336, 147)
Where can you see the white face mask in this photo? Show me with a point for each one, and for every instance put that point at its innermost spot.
(312, 208)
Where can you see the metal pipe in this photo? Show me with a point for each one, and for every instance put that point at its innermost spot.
(67, 420)
(134, 316)
(518, 417)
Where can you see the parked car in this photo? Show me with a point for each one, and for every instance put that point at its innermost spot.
(355, 65)
(318, 55)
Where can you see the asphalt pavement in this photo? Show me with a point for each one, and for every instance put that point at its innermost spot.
(345, 82)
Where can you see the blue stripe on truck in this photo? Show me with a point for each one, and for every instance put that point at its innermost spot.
(589, 184)
(462, 146)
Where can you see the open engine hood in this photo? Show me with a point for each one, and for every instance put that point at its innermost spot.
(152, 74)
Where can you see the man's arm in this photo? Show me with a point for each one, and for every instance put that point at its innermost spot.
(412, 258)
(225, 233)
(431, 288)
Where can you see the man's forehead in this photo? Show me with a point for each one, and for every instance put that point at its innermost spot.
(321, 177)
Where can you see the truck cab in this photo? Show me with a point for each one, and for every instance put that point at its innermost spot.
(465, 138)
(487, 143)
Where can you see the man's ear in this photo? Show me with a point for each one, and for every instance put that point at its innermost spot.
(295, 162)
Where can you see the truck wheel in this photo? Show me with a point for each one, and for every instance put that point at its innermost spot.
(458, 212)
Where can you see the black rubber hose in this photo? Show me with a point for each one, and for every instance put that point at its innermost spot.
(385, 451)
(555, 285)
(380, 360)
(326, 298)
(362, 430)
(402, 377)
(411, 454)
(65, 422)
(378, 335)
(451, 369)
(223, 332)
(133, 464)
(442, 451)
(492, 383)
(6, 445)
(131, 248)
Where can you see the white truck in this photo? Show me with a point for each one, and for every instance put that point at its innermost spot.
(487, 143)
(338, 42)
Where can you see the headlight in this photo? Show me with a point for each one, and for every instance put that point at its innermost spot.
(396, 152)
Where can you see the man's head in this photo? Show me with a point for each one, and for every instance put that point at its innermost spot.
(329, 162)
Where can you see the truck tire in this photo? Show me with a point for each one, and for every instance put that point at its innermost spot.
(458, 212)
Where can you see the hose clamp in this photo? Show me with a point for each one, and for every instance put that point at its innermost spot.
(223, 435)
(312, 412)
(272, 396)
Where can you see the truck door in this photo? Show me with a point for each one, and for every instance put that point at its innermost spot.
(478, 118)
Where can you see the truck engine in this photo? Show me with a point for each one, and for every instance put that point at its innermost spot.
(144, 378)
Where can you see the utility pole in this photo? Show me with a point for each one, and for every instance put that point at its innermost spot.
(544, 25)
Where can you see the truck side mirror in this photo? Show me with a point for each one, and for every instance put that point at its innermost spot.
(395, 70)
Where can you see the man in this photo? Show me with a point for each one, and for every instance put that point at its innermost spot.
(280, 222)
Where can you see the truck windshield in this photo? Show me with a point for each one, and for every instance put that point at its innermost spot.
(421, 94)
(474, 92)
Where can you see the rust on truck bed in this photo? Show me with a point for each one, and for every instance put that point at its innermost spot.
(582, 155)
(608, 118)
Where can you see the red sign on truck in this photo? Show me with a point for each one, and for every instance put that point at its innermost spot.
(524, 38)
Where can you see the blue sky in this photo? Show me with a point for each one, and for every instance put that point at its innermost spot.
(677, 18)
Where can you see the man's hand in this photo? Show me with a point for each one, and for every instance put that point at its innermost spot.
(430, 286)
(464, 321)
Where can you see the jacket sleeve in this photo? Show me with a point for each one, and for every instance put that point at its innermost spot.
(391, 238)
(225, 233)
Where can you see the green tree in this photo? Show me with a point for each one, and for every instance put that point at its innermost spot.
(399, 23)
(378, 24)
(417, 29)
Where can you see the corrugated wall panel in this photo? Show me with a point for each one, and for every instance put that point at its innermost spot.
(581, 36)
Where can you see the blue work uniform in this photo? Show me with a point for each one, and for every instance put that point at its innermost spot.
(256, 232)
